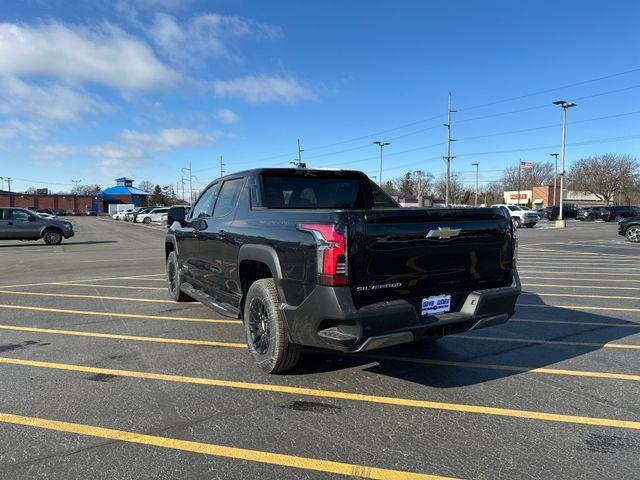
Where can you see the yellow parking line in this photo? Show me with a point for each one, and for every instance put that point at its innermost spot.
(119, 315)
(508, 368)
(145, 279)
(548, 342)
(585, 253)
(403, 402)
(580, 307)
(576, 322)
(138, 277)
(258, 456)
(625, 280)
(94, 297)
(96, 285)
(590, 287)
(580, 273)
(576, 295)
(577, 267)
(77, 333)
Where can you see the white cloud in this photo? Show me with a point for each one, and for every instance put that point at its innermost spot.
(104, 55)
(208, 35)
(46, 103)
(227, 116)
(263, 89)
(14, 128)
(169, 139)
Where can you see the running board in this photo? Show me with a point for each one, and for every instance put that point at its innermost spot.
(207, 300)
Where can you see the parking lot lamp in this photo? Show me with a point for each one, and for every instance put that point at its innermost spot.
(382, 145)
(555, 177)
(477, 165)
(565, 106)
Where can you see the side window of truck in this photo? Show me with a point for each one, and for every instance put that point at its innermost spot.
(228, 197)
(204, 205)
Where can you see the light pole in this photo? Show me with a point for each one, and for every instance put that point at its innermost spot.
(555, 176)
(382, 145)
(477, 165)
(565, 105)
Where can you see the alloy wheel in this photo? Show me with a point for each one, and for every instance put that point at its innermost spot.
(259, 326)
(633, 234)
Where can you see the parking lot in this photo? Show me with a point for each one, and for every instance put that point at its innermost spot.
(104, 377)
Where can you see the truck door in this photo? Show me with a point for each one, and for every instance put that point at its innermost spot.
(219, 249)
(187, 237)
(22, 224)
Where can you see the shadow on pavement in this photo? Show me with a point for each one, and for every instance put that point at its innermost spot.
(403, 361)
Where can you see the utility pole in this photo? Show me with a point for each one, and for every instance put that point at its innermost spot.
(448, 158)
(184, 200)
(299, 153)
(565, 105)
(477, 165)
(191, 177)
(9, 180)
(2, 185)
(221, 167)
(555, 177)
(519, 170)
(382, 145)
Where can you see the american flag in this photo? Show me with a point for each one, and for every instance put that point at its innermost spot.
(526, 165)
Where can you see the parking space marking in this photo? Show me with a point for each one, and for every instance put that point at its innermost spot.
(360, 397)
(578, 322)
(139, 277)
(548, 342)
(257, 456)
(579, 267)
(581, 273)
(590, 287)
(92, 297)
(571, 252)
(580, 307)
(120, 259)
(119, 315)
(494, 366)
(575, 295)
(96, 285)
(78, 333)
(581, 279)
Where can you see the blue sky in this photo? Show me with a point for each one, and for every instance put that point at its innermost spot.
(94, 90)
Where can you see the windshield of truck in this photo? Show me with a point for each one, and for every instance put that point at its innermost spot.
(312, 192)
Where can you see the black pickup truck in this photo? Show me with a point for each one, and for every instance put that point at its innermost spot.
(325, 258)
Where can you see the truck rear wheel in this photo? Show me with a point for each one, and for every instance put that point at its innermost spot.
(174, 279)
(265, 328)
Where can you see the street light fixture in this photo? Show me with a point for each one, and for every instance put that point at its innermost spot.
(382, 145)
(565, 105)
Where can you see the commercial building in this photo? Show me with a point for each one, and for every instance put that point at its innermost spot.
(82, 203)
(123, 193)
(547, 195)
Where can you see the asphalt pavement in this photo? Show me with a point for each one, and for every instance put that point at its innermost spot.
(103, 377)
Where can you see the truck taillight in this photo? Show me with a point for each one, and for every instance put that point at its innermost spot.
(331, 244)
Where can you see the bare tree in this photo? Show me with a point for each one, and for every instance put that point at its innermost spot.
(404, 185)
(422, 183)
(86, 189)
(540, 173)
(390, 188)
(146, 186)
(457, 190)
(606, 176)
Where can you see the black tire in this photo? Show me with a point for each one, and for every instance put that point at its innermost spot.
(518, 223)
(618, 218)
(53, 237)
(265, 328)
(633, 233)
(146, 220)
(174, 279)
(531, 225)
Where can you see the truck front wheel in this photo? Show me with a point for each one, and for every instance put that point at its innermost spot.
(174, 279)
(265, 328)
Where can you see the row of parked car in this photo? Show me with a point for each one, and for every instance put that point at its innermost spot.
(144, 214)
(607, 214)
(53, 212)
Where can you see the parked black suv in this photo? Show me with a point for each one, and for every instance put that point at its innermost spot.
(23, 224)
(630, 228)
(619, 212)
(568, 211)
(589, 213)
(325, 258)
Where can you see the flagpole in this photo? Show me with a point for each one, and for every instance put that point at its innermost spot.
(519, 168)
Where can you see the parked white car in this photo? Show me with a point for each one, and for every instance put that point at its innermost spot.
(155, 215)
(521, 217)
(121, 214)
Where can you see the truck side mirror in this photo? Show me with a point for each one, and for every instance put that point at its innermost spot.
(176, 214)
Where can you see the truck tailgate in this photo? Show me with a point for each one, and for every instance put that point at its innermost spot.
(424, 252)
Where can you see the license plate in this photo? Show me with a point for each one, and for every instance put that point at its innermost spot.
(436, 304)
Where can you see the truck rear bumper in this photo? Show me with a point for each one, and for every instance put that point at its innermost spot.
(328, 318)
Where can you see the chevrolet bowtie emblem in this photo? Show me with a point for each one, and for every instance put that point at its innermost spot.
(443, 233)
